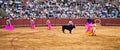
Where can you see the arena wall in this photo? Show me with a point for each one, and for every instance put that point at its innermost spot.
(55, 22)
(110, 22)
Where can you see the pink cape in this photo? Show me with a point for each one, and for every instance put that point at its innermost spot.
(49, 26)
(9, 27)
(32, 25)
(88, 27)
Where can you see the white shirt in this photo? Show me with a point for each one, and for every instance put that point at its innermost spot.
(107, 4)
(1, 1)
(11, 2)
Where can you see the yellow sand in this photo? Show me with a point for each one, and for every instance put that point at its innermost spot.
(25, 38)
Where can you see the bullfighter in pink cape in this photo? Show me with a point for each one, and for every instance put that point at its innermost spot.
(32, 23)
(49, 24)
(91, 27)
(88, 23)
(9, 26)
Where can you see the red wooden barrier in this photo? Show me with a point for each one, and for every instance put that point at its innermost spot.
(2, 22)
(39, 21)
(110, 22)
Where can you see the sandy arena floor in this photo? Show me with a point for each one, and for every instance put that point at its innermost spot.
(24, 38)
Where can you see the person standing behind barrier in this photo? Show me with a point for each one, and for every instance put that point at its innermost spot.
(9, 25)
(70, 22)
(32, 23)
(49, 24)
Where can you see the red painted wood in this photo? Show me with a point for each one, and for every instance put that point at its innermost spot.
(39, 21)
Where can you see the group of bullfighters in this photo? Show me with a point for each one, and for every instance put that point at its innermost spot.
(90, 24)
